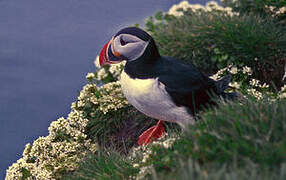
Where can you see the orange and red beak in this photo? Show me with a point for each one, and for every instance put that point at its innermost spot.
(103, 59)
(107, 56)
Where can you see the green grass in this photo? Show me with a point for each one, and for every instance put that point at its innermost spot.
(118, 129)
(213, 40)
(103, 166)
(258, 7)
(232, 134)
(233, 141)
(190, 169)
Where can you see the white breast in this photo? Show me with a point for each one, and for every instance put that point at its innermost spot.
(150, 97)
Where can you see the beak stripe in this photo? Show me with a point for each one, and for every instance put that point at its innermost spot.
(106, 55)
(113, 57)
(102, 57)
(117, 54)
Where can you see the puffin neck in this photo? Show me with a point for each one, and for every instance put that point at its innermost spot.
(141, 67)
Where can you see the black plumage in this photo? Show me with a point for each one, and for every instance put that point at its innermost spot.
(160, 87)
(186, 85)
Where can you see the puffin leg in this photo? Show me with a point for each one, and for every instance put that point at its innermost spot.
(152, 133)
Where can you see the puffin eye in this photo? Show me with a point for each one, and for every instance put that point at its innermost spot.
(122, 42)
(128, 46)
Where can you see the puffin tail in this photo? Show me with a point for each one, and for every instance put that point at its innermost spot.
(222, 84)
(232, 96)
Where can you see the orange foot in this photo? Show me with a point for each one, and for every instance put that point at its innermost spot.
(151, 134)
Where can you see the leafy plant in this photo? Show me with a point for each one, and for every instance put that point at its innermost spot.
(102, 166)
(261, 7)
(227, 139)
(214, 39)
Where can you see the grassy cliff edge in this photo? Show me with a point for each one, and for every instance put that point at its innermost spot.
(235, 140)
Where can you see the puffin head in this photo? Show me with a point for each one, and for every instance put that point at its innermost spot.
(130, 44)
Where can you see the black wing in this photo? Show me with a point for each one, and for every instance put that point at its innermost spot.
(186, 85)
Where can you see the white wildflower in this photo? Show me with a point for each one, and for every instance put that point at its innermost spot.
(246, 70)
(219, 74)
(182, 5)
(282, 10)
(282, 95)
(115, 69)
(196, 7)
(73, 105)
(255, 93)
(282, 92)
(101, 74)
(27, 149)
(271, 8)
(284, 77)
(254, 82)
(145, 158)
(215, 77)
(214, 6)
(230, 12)
(210, 6)
(264, 85)
(90, 76)
(96, 62)
(144, 171)
(168, 143)
(283, 88)
(233, 70)
(236, 85)
(136, 165)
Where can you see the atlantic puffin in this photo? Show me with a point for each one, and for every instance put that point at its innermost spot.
(160, 87)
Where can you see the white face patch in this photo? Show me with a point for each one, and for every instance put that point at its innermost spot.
(150, 97)
(129, 46)
(284, 77)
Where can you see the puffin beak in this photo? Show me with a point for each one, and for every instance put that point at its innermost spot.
(103, 57)
(108, 56)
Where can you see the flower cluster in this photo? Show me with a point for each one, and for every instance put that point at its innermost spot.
(177, 9)
(107, 73)
(242, 79)
(246, 70)
(109, 97)
(67, 143)
(234, 70)
(142, 155)
(115, 69)
(282, 92)
(90, 76)
(105, 98)
(255, 93)
(256, 83)
(279, 11)
(101, 74)
(51, 156)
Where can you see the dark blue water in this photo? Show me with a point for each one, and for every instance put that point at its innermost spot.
(46, 49)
